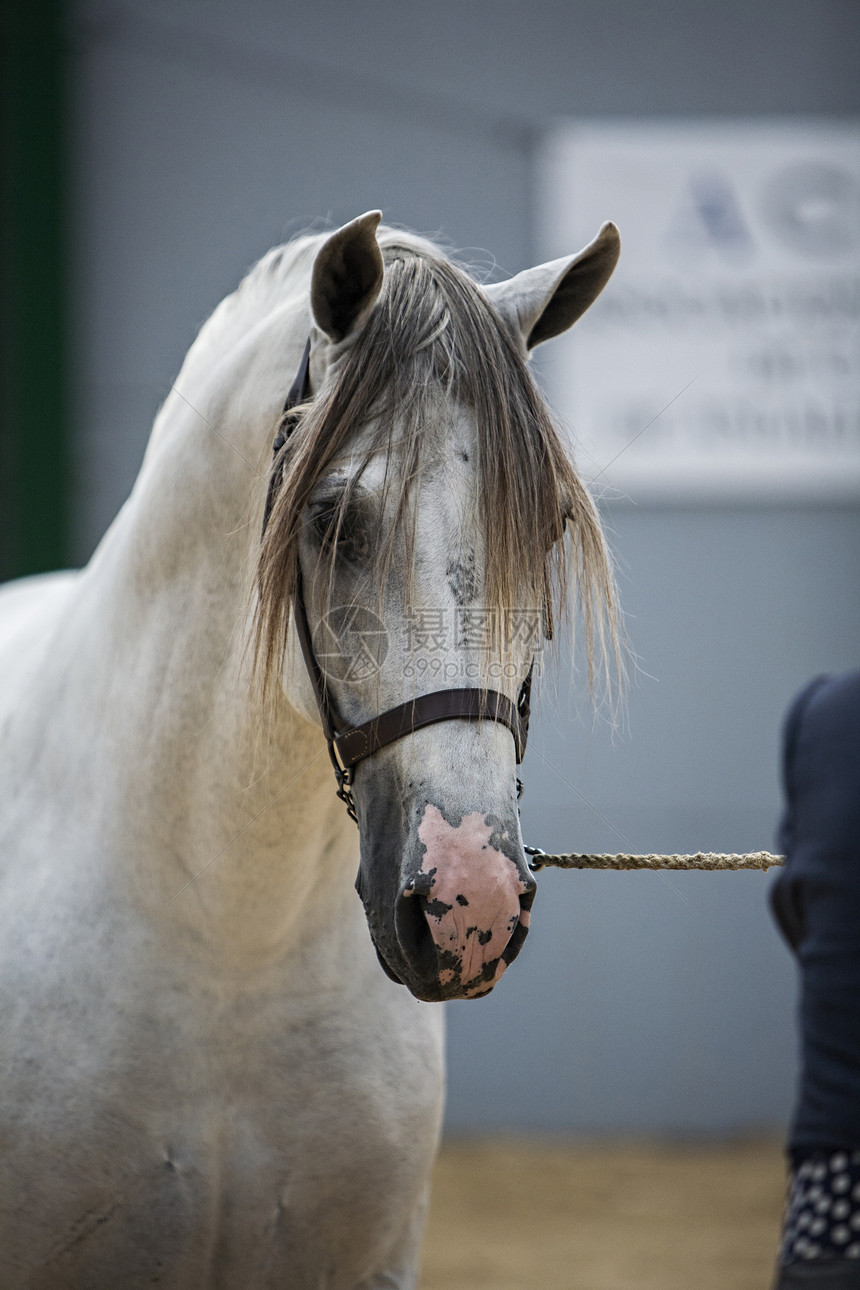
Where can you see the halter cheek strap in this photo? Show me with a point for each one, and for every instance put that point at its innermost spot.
(298, 392)
(349, 745)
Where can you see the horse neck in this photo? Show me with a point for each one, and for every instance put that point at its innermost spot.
(221, 790)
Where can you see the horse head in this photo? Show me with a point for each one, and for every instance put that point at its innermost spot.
(426, 521)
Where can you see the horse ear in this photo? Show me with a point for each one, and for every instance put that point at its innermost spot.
(347, 277)
(542, 302)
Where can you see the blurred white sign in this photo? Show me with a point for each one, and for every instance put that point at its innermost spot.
(723, 359)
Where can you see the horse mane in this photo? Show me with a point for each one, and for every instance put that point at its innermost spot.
(434, 336)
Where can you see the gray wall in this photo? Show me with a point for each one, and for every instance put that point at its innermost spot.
(204, 134)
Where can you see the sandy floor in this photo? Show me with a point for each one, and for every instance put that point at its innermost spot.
(615, 1217)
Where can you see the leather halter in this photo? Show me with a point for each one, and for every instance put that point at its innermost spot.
(349, 745)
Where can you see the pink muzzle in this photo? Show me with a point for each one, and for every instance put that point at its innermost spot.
(471, 896)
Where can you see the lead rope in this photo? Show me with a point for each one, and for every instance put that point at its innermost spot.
(710, 860)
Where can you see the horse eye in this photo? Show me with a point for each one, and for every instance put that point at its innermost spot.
(324, 520)
(345, 530)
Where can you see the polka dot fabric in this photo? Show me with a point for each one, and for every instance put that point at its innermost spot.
(822, 1213)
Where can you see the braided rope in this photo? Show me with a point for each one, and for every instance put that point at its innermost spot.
(702, 860)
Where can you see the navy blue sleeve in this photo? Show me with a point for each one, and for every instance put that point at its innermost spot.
(816, 902)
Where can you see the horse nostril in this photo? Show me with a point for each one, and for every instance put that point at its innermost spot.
(518, 935)
(413, 931)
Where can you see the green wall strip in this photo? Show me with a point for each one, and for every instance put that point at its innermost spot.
(34, 450)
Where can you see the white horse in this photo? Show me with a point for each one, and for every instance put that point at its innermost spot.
(208, 1080)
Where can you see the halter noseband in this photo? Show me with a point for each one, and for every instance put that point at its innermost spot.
(348, 745)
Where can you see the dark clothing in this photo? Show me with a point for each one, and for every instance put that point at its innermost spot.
(816, 901)
(829, 1274)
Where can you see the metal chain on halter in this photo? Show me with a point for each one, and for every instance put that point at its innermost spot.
(343, 778)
